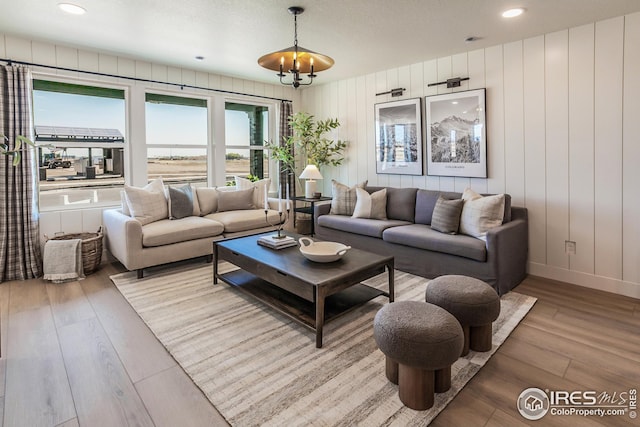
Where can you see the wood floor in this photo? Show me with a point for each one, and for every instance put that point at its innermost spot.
(77, 354)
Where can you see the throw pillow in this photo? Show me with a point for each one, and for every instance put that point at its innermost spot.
(372, 205)
(180, 202)
(125, 205)
(155, 185)
(235, 200)
(147, 204)
(446, 215)
(207, 200)
(261, 188)
(480, 214)
(344, 198)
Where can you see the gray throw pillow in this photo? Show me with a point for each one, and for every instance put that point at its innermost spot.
(235, 200)
(446, 215)
(180, 202)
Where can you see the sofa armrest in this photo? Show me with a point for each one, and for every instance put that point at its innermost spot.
(507, 250)
(319, 210)
(124, 237)
(273, 203)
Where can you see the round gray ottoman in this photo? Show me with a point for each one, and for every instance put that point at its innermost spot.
(420, 342)
(473, 302)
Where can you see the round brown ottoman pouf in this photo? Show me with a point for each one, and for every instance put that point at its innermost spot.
(473, 302)
(420, 342)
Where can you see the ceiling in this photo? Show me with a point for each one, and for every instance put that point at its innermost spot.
(362, 36)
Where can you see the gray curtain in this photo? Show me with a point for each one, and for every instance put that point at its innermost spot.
(20, 256)
(286, 110)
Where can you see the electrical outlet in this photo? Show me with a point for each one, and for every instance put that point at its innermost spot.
(570, 247)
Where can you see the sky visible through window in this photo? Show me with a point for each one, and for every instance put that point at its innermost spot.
(166, 124)
(62, 109)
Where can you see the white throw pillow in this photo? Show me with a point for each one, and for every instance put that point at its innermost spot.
(147, 204)
(261, 188)
(480, 214)
(343, 201)
(372, 206)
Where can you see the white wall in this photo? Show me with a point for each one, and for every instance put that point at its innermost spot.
(89, 219)
(563, 130)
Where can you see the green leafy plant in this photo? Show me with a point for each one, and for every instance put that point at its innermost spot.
(252, 178)
(309, 143)
(18, 147)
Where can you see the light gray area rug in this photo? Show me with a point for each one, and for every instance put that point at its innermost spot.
(258, 367)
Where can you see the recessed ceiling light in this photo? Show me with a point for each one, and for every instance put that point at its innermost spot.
(512, 13)
(73, 9)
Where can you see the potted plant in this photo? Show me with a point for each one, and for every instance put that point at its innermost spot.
(308, 145)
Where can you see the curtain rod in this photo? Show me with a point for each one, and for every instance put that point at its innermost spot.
(137, 79)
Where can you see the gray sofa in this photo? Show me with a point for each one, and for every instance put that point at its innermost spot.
(406, 234)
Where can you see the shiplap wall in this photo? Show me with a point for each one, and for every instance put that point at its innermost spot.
(563, 126)
(89, 219)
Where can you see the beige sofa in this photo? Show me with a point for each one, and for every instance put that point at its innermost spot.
(138, 245)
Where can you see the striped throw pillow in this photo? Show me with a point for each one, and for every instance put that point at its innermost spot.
(446, 215)
(344, 199)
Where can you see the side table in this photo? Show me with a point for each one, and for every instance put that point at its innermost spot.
(308, 209)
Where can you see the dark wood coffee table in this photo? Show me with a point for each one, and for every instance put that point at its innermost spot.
(308, 292)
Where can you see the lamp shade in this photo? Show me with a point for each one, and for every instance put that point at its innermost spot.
(311, 172)
(305, 58)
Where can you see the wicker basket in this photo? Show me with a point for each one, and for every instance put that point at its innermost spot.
(91, 248)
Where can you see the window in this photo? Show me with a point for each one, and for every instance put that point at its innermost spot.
(80, 136)
(176, 129)
(246, 129)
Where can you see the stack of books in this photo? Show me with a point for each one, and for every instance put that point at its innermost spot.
(274, 243)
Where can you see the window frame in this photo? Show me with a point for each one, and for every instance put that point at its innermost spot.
(126, 145)
(273, 109)
(207, 146)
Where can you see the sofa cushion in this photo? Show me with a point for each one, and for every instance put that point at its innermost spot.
(261, 189)
(372, 205)
(364, 226)
(147, 204)
(166, 231)
(243, 220)
(480, 214)
(423, 237)
(401, 202)
(343, 200)
(446, 215)
(426, 201)
(235, 200)
(180, 201)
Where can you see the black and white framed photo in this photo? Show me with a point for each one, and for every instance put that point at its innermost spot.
(399, 147)
(456, 134)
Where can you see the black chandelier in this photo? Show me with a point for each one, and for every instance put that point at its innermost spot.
(296, 60)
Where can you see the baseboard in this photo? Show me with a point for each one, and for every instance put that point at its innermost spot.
(592, 281)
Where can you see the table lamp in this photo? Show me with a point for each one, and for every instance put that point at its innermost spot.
(310, 173)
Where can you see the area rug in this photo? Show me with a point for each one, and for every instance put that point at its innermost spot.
(258, 367)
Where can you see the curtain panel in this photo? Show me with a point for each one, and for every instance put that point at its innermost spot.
(286, 110)
(20, 256)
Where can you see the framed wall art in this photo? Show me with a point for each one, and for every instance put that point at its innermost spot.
(456, 134)
(399, 147)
